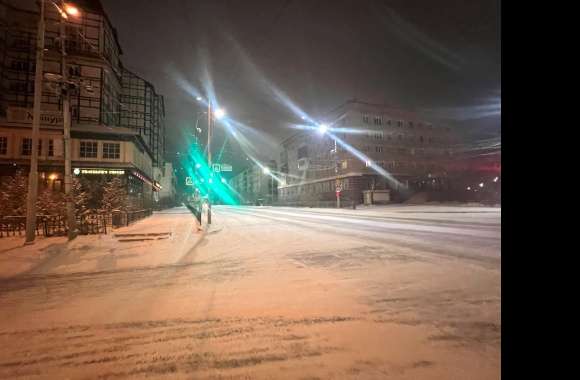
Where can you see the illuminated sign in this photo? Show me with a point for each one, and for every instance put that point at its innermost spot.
(143, 178)
(24, 115)
(99, 171)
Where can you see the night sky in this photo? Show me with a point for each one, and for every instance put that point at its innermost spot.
(443, 57)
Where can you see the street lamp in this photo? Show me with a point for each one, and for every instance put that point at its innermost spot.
(65, 10)
(71, 10)
(218, 114)
(322, 128)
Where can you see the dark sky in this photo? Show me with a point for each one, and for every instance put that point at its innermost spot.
(439, 55)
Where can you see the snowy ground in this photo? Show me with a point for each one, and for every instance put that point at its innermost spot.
(407, 292)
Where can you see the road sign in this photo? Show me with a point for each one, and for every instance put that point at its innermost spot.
(188, 181)
(216, 168)
(226, 168)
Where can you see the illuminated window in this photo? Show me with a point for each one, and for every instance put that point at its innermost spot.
(344, 164)
(26, 148)
(88, 149)
(112, 150)
(3, 145)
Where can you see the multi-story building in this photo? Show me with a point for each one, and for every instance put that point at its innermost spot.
(255, 186)
(117, 125)
(167, 183)
(411, 154)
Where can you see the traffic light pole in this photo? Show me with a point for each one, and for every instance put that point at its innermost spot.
(209, 120)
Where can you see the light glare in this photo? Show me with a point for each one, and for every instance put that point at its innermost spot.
(219, 113)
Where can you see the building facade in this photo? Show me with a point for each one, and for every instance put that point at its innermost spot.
(411, 154)
(167, 183)
(254, 187)
(117, 118)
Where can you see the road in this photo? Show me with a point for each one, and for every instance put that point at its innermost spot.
(269, 293)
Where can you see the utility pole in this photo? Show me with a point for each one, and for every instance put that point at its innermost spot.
(209, 119)
(70, 208)
(33, 175)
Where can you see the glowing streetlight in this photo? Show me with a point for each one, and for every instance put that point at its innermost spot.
(481, 184)
(219, 113)
(199, 98)
(266, 170)
(223, 180)
(71, 10)
(322, 128)
(210, 180)
(197, 166)
(468, 188)
(495, 179)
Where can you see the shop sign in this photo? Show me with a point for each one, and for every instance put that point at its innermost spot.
(98, 171)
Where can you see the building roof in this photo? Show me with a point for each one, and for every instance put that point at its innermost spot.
(384, 108)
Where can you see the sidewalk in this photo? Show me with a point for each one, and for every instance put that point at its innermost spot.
(164, 238)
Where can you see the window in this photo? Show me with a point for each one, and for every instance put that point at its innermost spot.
(88, 149)
(302, 152)
(40, 147)
(3, 145)
(50, 148)
(26, 148)
(379, 149)
(365, 119)
(411, 125)
(74, 71)
(344, 164)
(388, 122)
(421, 139)
(399, 123)
(112, 150)
(378, 120)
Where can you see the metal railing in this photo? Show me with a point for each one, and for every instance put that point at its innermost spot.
(125, 218)
(53, 225)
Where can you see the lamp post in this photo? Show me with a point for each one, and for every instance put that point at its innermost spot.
(64, 10)
(70, 207)
(33, 175)
(217, 114)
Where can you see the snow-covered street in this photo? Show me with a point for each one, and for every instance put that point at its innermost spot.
(400, 292)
